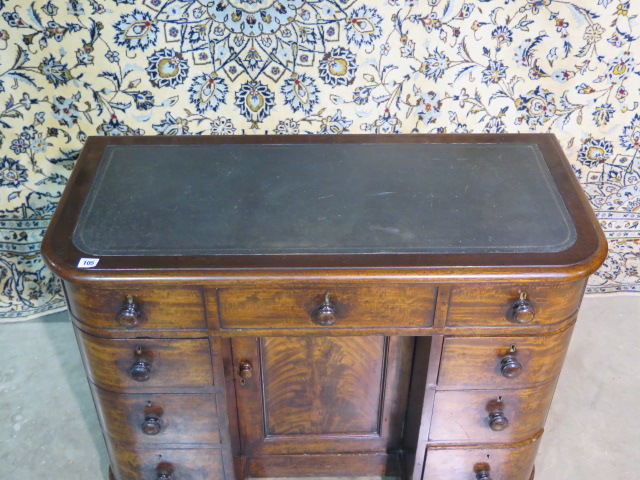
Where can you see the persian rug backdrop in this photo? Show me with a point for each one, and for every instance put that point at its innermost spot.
(73, 68)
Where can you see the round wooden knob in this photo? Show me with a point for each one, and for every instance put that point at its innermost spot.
(325, 313)
(522, 310)
(129, 316)
(510, 366)
(497, 421)
(246, 369)
(151, 425)
(164, 471)
(483, 475)
(140, 371)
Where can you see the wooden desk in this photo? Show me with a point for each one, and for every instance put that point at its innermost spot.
(323, 306)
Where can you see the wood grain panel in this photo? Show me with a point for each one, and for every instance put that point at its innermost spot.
(183, 418)
(174, 364)
(130, 462)
(168, 308)
(514, 462)
(364, 307)
(475, 362)
(324, 394)
(463, 416)
(489, 305)
(322, 386)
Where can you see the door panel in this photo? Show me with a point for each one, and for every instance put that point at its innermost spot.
(321, 394)
(322, 386)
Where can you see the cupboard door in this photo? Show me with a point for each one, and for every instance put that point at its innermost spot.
(300, 395)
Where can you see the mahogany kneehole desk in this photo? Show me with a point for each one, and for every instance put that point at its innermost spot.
(289, 306)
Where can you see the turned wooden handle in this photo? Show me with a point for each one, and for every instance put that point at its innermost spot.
(483, 475)
(325, 314)
(140, 371)
(510, 366)
(246, 369)
(129, 316)
(164, 471)
(151, 425)
(522, 310)
(497, 420)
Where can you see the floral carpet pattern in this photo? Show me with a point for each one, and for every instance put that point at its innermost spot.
(73, 68)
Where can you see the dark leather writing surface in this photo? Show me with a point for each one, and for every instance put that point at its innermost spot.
(322, 199)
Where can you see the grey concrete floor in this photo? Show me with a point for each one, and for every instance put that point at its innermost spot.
(49, 429)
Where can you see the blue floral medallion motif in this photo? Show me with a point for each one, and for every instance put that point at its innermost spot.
(538, 106)
(255, 101)
(249, 36)
(12, 174)
(136, 30)
(207, 92)
(364, 26)
(167, 68)
(338, 67)
(595, 151)
(300, 93)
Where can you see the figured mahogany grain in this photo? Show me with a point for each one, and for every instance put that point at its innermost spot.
(314, 395)
(356, 307)
(463, 416)
(132, 462)
(490, 305)
(506, 462)
(176, 365)
(301, 373)
(475, 362)
(183, 418)
(167, 308)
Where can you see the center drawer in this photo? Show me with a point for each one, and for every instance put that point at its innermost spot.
(401, 306)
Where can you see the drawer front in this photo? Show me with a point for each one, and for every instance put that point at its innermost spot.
(352, 307)
(512, 463)
(129, 462)
(502, 362)
(147, 308)
(162, 365)
(490, 416)
(157, 418)
(491, 306)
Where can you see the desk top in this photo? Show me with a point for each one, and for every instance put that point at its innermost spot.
(323, 199)
(322, 202)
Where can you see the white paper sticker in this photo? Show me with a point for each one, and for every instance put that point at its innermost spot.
(88, 262)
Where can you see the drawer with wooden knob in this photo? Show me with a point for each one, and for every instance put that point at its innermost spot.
(137, 308)
(401, 306)
(513, 305)
(158, 418)
(489, 416)
(138, 365)
(502, 362)
(131, 462)
(482, 462)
